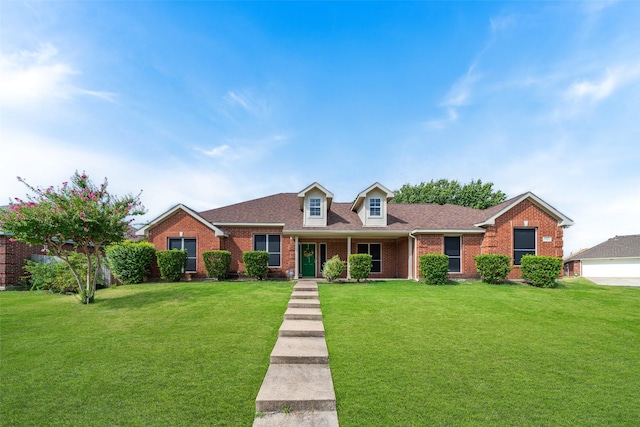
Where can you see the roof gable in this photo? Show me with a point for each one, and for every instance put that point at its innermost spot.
(143, 231)
(490, 214)
(363, 194)
(315, 186)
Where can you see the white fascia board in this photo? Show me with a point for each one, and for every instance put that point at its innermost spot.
(345, 233)
(249, 224)
(451, 231)
(563, 220)
(143, 231)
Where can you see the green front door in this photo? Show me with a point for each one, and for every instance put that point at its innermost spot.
(308, 259)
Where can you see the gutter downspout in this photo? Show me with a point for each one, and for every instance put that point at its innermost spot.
(348, 253)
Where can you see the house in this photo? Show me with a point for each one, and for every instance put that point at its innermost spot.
(13, 256)
(302, 230)
(616, 257)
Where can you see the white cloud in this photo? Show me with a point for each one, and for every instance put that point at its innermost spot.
(598, 89)
(30, 78)
(214, 152)
(248, 102)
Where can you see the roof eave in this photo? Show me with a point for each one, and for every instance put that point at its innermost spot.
(145, 230)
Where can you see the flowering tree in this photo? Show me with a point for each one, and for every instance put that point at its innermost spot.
(76, 217)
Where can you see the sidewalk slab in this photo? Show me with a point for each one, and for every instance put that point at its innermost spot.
(305, 286)
(298, 419)
(304, 303)
(304, 295)
(307, 350)
(301, 328)
(303, 313)
(296, 387)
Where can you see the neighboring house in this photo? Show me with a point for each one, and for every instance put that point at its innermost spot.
(13, 256)
(302, 230)
(617, 257)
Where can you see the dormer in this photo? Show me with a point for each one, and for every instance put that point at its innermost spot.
(315, 202)
(371, 205)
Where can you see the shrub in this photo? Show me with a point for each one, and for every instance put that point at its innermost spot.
(217, 263)
(256, 264)
(52, 274)
(541, 271)
(360, 266)
(130, 260)
(493, 268)
(333, 268)
(171, 264)
(434, 268)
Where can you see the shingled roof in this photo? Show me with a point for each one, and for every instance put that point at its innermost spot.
(616, 247)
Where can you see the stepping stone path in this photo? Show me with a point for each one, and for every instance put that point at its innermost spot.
(298, 389)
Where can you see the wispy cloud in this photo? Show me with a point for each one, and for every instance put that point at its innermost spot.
(601, 88)
(33, 77)
(458, 96)
(214, 152)
(248, 102)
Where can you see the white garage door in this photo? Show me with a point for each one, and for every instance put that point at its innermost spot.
(611, 268)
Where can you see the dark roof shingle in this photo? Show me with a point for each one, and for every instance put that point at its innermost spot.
(616, 247)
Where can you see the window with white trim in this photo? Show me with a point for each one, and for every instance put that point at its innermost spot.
(375, 250)
(375, 207)
(269, 243)
(524, 243)
(315, 207)
(185, 244)
(452, 248)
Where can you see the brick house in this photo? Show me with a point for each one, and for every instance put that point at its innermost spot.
(13, 256)
(302, 230)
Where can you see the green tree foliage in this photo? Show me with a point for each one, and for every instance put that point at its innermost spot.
(493, 268)
(434, 268)
(476, 194)
(130, 261)
(541, 271)
(360, 266)
(217, 263)
(333, 268)
(171, 264)
(54, 274)
(256, 264)
(75, 217)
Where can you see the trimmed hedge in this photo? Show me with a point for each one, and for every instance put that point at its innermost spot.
(217, 263)
(434, 269)
(130, 261)
(541, 271)
(333, 268)
(493, 268)
(171, 264)
(256, 264)
(360, 266)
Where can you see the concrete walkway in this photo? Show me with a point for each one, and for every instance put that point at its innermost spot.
(298, 389)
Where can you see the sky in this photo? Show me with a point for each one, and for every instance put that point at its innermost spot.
(212, 103)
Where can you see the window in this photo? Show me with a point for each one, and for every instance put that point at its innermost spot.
(452, 250)
(190, 246)
(315, 207)
(323, 255)
(375, 250)
(374, 207)
(269, 243)
(524, 243)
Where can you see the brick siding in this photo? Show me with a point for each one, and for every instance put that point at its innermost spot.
(13, 256)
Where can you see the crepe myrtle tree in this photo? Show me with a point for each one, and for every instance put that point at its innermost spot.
(75, 217)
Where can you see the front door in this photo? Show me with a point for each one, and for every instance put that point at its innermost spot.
(308, 259)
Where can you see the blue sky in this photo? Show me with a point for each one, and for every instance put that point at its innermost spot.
(212, 103)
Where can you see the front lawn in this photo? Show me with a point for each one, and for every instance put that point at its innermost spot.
(407, 354)
(191, 354)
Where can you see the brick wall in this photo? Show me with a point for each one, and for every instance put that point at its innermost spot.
(191, 228)
(499, 238)
(471, 246)
(13, 256)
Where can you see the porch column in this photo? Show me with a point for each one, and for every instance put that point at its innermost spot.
(297, 268)
(348, 253)
(409, 244)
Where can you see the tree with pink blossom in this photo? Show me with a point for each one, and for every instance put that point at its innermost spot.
(75, 217)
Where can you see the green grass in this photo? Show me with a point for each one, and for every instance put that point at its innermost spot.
(144, 355)
(407, 354)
